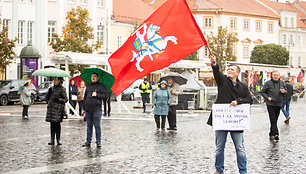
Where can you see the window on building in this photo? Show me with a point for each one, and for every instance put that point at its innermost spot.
(285, 22)
(30, 32)
(246, 24)
(51, 30)
(119, 41)
(208, 22)
(31, 1)
(299, 40)
(258, 26)
(292, 22)
(246, 51)
(100, 3)
(100, 34)
(206, 52)
(233, 47)
(285, 39)
(20, 32)
(299, 61)
(271, 27)
(291, 41)
(233, 23)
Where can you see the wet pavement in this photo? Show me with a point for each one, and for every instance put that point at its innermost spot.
(130, 144)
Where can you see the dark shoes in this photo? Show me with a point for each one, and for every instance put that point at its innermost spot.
(51, 143)
(99, 145)
(86, 145)
(287, 120)
(59, 142)
(276, 137)
(172, 128)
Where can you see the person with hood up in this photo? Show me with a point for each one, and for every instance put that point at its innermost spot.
(25, 99)
(56, 98)
(162, 99)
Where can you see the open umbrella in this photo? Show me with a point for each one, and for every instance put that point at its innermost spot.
(105, 77)
(177, 78)
(77, 80)
(51, 72)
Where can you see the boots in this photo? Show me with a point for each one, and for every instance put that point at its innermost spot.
(59, 142)
(52, 138)
(58, 137)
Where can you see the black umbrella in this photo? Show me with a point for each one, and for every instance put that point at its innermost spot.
(177, 78)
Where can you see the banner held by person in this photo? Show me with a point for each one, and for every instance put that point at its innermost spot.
(167, 36)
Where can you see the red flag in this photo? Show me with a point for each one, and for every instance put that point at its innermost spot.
(167, 36)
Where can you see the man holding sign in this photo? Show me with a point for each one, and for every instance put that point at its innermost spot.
(232, 92)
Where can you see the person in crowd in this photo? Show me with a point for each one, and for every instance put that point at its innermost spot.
(233, 92)
(175, 90)
(94, 94)
(81, 93)
(145, 88)
(162, 99)
(56, 110)
(107, 101)
(287, 99)
(73, 92)
(273, 92)
(25, 99)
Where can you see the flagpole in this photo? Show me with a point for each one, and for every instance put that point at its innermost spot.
(209, 50)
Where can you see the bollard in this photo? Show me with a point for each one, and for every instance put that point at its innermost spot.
(190, 106)
(138, 99)
(149, 108)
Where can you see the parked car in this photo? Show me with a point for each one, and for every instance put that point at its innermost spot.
(9, 91)
(132, 92)
(42, 90)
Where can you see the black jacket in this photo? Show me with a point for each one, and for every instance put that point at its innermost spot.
(93, 104)
(272, 89)
(73, 90)
(227, 92)
(56, 98)
(289, 86)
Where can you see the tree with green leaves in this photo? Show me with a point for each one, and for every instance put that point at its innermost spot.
(75, 36)
(7, 53)
(270, 54)
(221, 46)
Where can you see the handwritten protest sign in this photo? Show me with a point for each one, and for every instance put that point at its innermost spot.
(226, 117)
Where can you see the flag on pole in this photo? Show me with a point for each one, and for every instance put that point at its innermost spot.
(167, 36)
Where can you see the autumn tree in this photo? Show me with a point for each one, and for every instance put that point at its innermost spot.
(75, 36)
(6, 49)
(270, 54)
(221, 46)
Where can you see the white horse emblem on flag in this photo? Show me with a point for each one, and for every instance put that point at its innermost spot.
(149, 43)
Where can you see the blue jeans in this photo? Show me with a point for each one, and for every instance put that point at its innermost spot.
(237, 138)
(286, 103)
(93, 119)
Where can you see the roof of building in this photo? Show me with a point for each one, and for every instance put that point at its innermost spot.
(131, 11)
(277, 6)
(250, 7)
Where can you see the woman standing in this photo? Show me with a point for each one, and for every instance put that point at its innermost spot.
(25, 98)
(162, 99)
(81, 92)
(73, 91)
(56, 98)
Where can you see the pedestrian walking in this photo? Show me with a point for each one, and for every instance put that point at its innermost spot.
(287, 99)
(25, 99)
(107, 101)
(56, 110)
(94, 94)
(233, 92)
(162, 99)
(73, 92)
(273, 92)
(145, 88)
(81, 93)
(175, 90)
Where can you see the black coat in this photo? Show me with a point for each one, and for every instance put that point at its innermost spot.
(272, 89)
(56, 98)
(288, 95)
(73, 90)
(93, 104)
(227, 92)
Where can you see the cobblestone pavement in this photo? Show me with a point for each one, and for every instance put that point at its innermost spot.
(130, 144)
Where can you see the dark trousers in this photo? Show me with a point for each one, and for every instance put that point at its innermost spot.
(145, 99)
(73, 104)
(55, 129)
(172, 116)
(25, 110)
(273, 115)
(80, 107)
(108, 102)
(157, 121)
